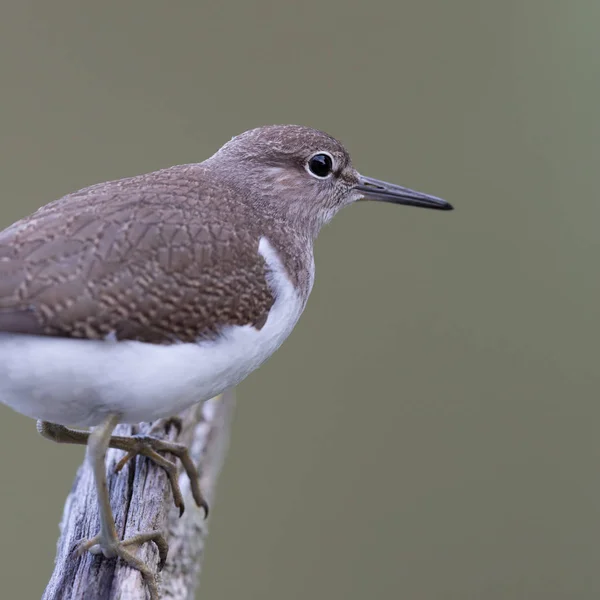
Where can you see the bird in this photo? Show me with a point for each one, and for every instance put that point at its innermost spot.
(131, 300)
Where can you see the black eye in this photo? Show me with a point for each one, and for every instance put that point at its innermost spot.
(320, 165)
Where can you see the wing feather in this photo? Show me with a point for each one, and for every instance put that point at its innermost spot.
(159, 258)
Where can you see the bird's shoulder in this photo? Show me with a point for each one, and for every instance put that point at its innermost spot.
(162, 257)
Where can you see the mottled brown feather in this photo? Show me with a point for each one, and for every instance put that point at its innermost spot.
(163, 257)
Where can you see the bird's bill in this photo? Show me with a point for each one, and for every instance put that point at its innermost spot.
(374, 189)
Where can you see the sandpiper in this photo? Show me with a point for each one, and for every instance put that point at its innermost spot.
(131, 300)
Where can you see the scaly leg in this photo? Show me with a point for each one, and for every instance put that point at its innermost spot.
(144, 445)
(107, 540)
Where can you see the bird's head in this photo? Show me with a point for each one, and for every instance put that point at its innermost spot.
(305, 175)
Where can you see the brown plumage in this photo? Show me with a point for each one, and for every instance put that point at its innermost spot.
(159, 258)
(172, 256)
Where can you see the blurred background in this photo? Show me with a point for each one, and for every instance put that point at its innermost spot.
(429, 430)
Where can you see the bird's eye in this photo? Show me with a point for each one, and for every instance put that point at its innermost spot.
(320, 165)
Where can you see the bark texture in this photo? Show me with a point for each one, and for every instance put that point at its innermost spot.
(141, 500)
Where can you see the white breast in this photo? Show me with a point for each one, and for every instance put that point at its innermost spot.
(79, 382)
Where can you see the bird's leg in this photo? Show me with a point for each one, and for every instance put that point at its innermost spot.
(107, 540)
(61, 434)
(144, 445)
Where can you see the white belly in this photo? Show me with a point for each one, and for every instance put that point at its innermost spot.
(80, 382)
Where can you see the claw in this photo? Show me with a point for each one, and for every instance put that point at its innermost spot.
(148, 446)
(119, 466)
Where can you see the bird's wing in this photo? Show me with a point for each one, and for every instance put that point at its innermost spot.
(156, 258)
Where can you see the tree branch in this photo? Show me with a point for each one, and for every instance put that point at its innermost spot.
(141, 501)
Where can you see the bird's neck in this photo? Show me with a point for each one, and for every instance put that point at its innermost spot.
(295, 249)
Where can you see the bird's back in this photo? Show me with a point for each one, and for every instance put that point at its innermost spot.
(161, 257)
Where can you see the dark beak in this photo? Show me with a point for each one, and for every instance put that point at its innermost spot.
(374, 189)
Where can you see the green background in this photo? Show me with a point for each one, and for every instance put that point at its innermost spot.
(429, 430)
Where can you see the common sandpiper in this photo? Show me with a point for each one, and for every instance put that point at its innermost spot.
(131, 300)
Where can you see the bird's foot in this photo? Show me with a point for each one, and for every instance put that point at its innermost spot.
(149, 446)
(144, 445)
(125, 549)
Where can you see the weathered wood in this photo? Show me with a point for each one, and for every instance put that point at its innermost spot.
(141, 500)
